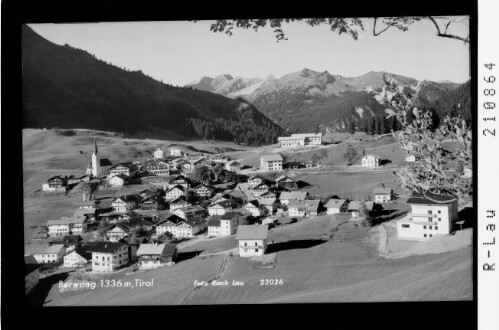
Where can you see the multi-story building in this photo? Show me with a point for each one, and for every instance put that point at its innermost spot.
(304, 208)
(336, 206)
(252, 240)
(52, 254)
(55, 184)
(158, 154)
(156, 255)
(66, 226)
(174, 192)
(370, 161)
(271, 163)
(109, 256)
(429, 217)
(382, 195)
(306, 139)
(76, 258)
(124, 204)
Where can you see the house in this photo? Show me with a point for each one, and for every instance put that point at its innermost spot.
(355, 208)
(125, 203)
(146, 193)
(410, 158)
(285, 182)
(159, 167)
(260, 189)
(31, 273)
(179, 203)
(336, 206)
(271, 163)
(119, 180)
(70, 242)
(66, 226)
(152, 203)
(156, 255)
(167, 225)
(87, 204)
(382, 195)
(175, 192)
(117, 232)
(304, 208)
(254, 208)
(189, 227)
(233, 166)
(179, 180)
(77, 257)
(269, 203)
(430, 215)
(221, 207)
(52, 254)
(220, 159)
(55, 184)
(252, 240)
(98, 166)
(214, 225)
(370, 161)
(306, 139)
(203, 190)
(122, 168)
(286, 196)
(158, 153)
(109, 256)
(268, 194)
(190, 212)
(176, 152)
(255, 180)
(83, 178)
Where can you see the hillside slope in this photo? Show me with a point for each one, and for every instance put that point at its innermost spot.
(69, 88)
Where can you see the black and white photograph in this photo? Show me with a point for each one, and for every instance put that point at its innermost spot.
(248, 161)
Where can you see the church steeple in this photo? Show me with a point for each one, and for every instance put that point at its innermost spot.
(95, 146)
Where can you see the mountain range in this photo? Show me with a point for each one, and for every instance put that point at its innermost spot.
(308, 99)
(67, 87)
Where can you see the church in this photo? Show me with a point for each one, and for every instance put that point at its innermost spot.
(98, 166)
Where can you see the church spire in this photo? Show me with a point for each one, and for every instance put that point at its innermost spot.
(95, 147)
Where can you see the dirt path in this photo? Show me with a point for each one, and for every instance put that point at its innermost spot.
(223, 266)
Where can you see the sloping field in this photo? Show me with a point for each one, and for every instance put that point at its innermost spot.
(171, 285)
(341, 272)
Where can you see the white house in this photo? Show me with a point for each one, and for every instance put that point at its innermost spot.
(66, 226)
(155, 255)
(119, 180)
(271, 163)
(52, 254)
(176, 152)
(179, 181)
(382, 195)
(354, 207)
(159, 154)
(304, 208)
(252, 240)
(178, 203)
(410, 158)
(233, 166)
(370, 161)
(336, 206)
(168, 224)
(255, 180)
(55, 184)
(286, 196)
(254, 208)
(203, 190)
(189, 228)
(306, 139)
(124, 204)
(214, 225)
(109, 256)
(190, 212)
(122, 168)
(77, 257)
(220, 208)
(429, 217)
(117, 232)
(269, 203)
(175, 192)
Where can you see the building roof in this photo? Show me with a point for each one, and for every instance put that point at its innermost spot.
(300, 136)
(285, 178)
(369, 205)
(253, 203)
(128, 198)
(105, 162)
(54, 249)
(252, 232)
(382, 191)
(373, 156)
(106, 247)
(436, 199)
(176, 187)
(214, 221)
(121, 226)
(305, 205)
(355, 205)
(270, 158)
(266, 201)
(297, 195)
(230, 216)
(121, 176)
(335, 203)
(156, 249)
(66, 221)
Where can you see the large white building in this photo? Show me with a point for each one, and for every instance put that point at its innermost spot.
(370, 161)
(295, 140)
(429, 217)
(108, 256)
(252, 240)
(66, 226)
(271, 163)
(52, 254)
(159, 154)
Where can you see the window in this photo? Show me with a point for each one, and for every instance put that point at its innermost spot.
(424, 227)
(439, 219)
(431, 235)
(256, 250)
(424, 235)
(429, 211)
(405, 226)
(256, 244)
(436, 227)
(431, 227)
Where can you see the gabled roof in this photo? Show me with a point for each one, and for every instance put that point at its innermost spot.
(66, 221)
(214, 221)
(382, 191)
(253, 177)
(106, 247)
(285, 178)
(230, 216)
(252, 232)
(156, 249)
(372, 156)
(269, 158)
(266, 201)
(54, 249)
(335, 203)
(126, 165)
(121, 176)
(253, 203)
(355, 205)
(176, 187)
(179, 199)
(105, 162)
(128, 198)
(296, 195)
(305, 205)
(262, 185)
(175, 219)
(120, 226)
(369, 205)
(195, 222)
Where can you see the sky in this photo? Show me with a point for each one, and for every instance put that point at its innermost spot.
(179, 52)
